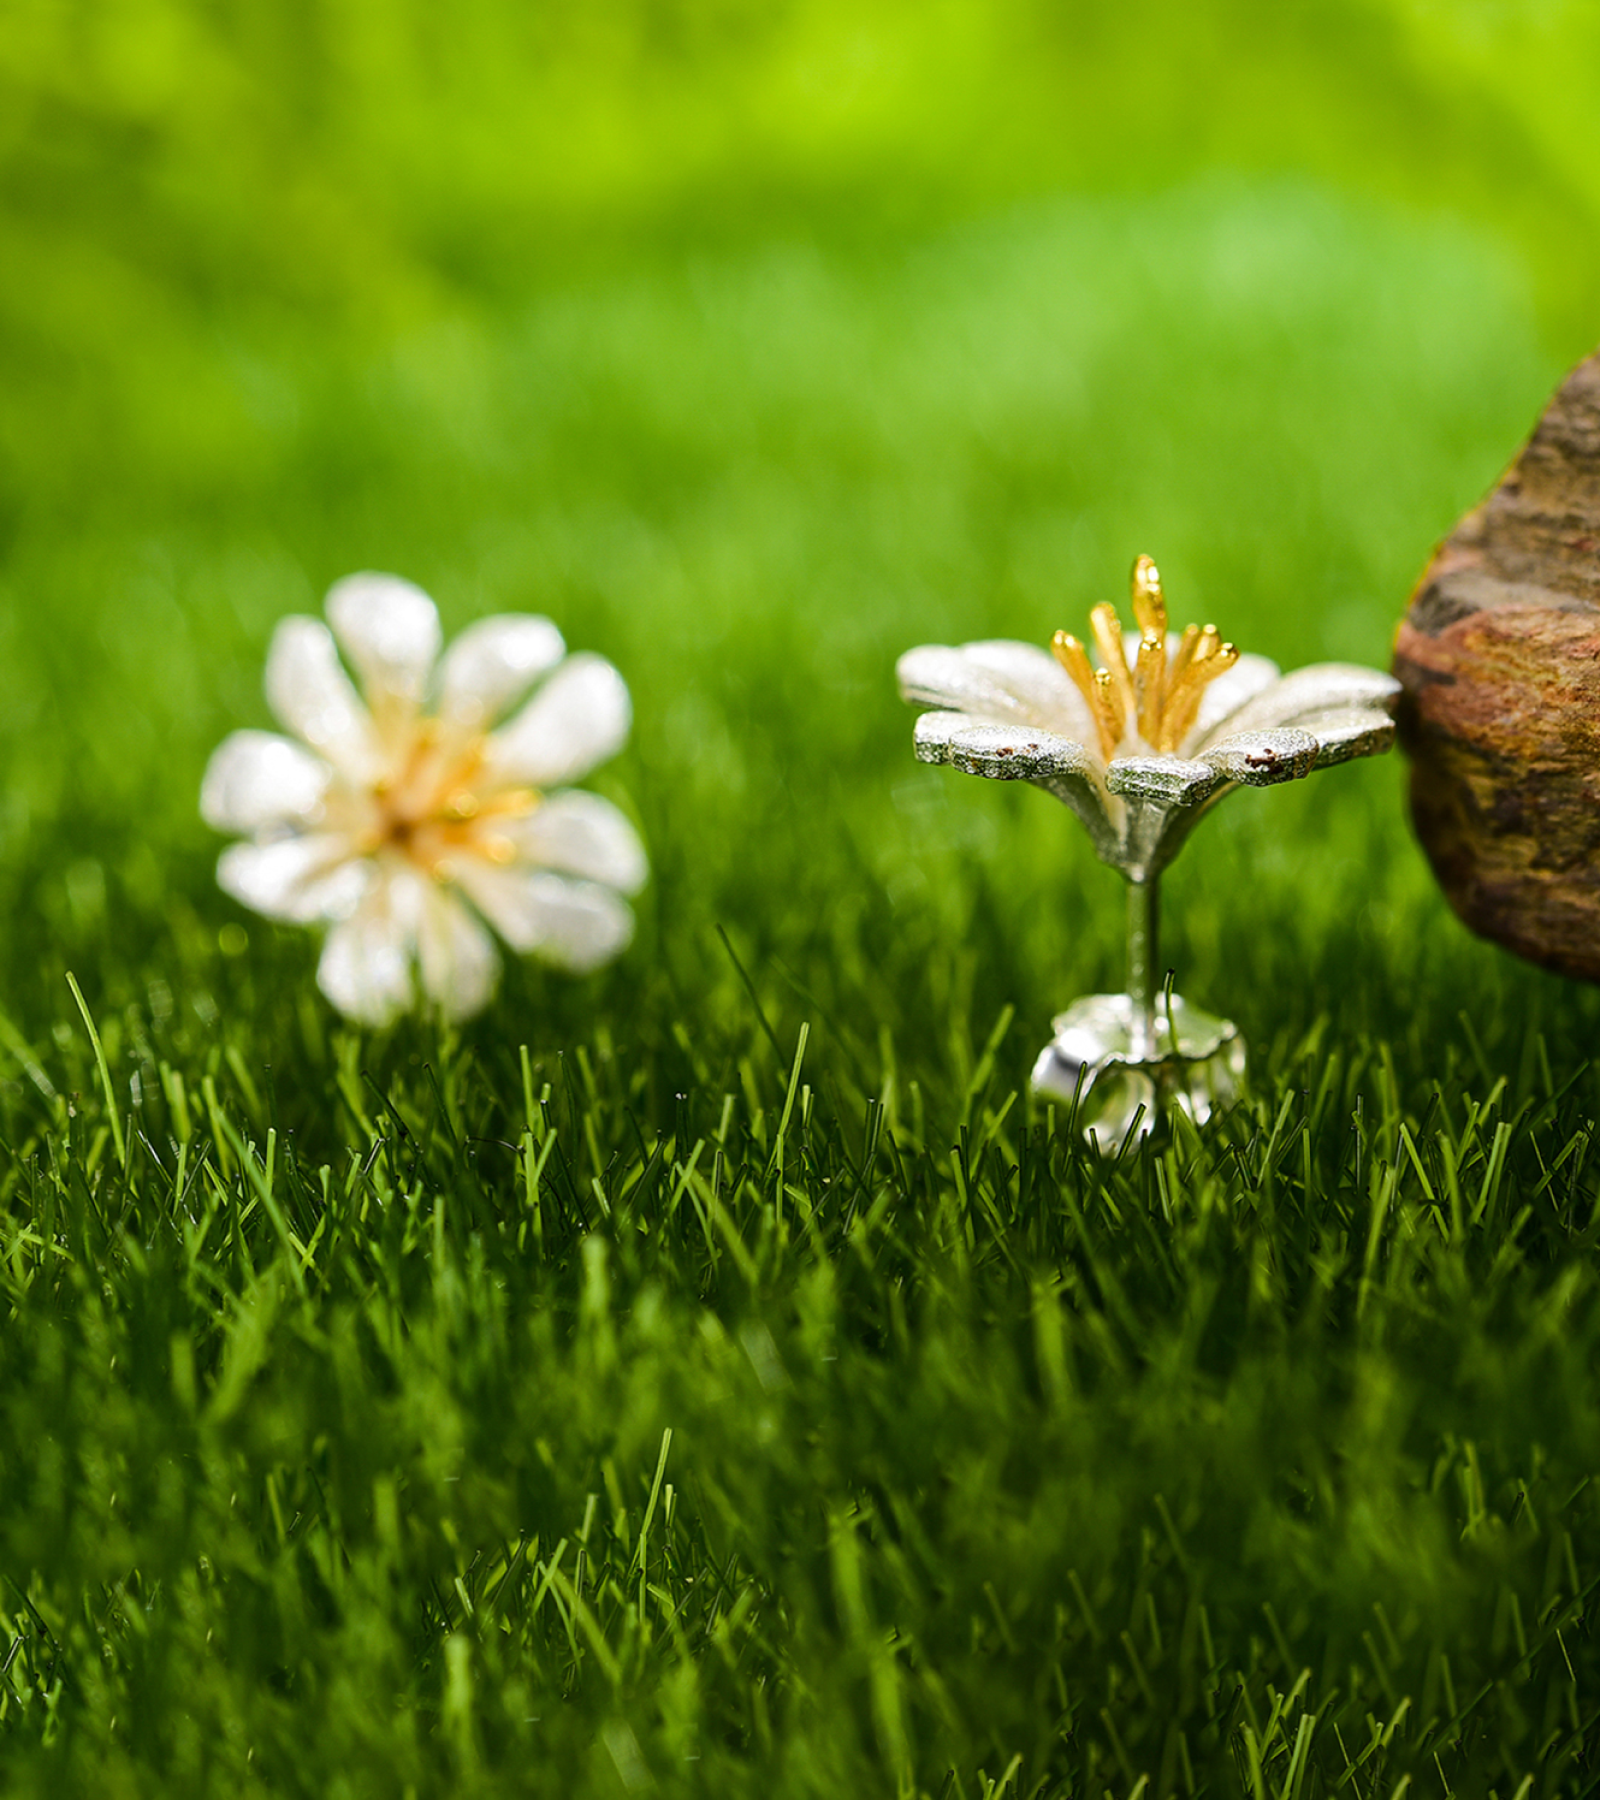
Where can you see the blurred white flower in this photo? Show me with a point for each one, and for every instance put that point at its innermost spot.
(413, 814)
(1144, 743)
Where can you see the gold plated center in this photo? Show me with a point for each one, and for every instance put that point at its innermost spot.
(1159, 695)
(432, 808)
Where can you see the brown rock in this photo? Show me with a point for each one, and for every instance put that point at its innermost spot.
(1499, 656)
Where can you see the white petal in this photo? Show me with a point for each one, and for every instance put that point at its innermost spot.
(997, 679)
(1344, 735)
(577, 719)
(296, 879)
(1317, 688)
(581, 834)
(493, 664)
(576, 924)
(1002, 752)
(256, 779)
(456, 956)
(1263, 758)
(311, 694)
(366, 963)
(389, 629)
(1249, 676)
(1060, 765)
(1168, 780)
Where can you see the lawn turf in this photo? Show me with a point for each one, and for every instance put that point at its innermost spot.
(717, 1376)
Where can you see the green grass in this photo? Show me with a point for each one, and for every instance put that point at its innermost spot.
(663, 1386)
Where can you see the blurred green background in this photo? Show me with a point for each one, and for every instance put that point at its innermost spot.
(201, 206)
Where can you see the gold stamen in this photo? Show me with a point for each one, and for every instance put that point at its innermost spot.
(1107, 628)
(1183, 703)
(462, 806)
(1149, 603)
(511, 803)
(1148, 684)
(1183, 655)
(1187, 681)
(1113, 720)
(1185, 708)
(1072, 656)
(1156, 691)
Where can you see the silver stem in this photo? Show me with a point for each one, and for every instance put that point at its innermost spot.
(1144, 958)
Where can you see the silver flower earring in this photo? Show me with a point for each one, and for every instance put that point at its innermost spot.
(1140, 747)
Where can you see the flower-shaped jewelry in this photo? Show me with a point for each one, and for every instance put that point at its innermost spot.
(409, 819)
(1140, 747)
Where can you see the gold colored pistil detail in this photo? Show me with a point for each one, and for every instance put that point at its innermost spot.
(1160, 694)
(431, 811)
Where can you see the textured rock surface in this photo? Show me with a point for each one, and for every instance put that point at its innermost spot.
(1499, 657)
